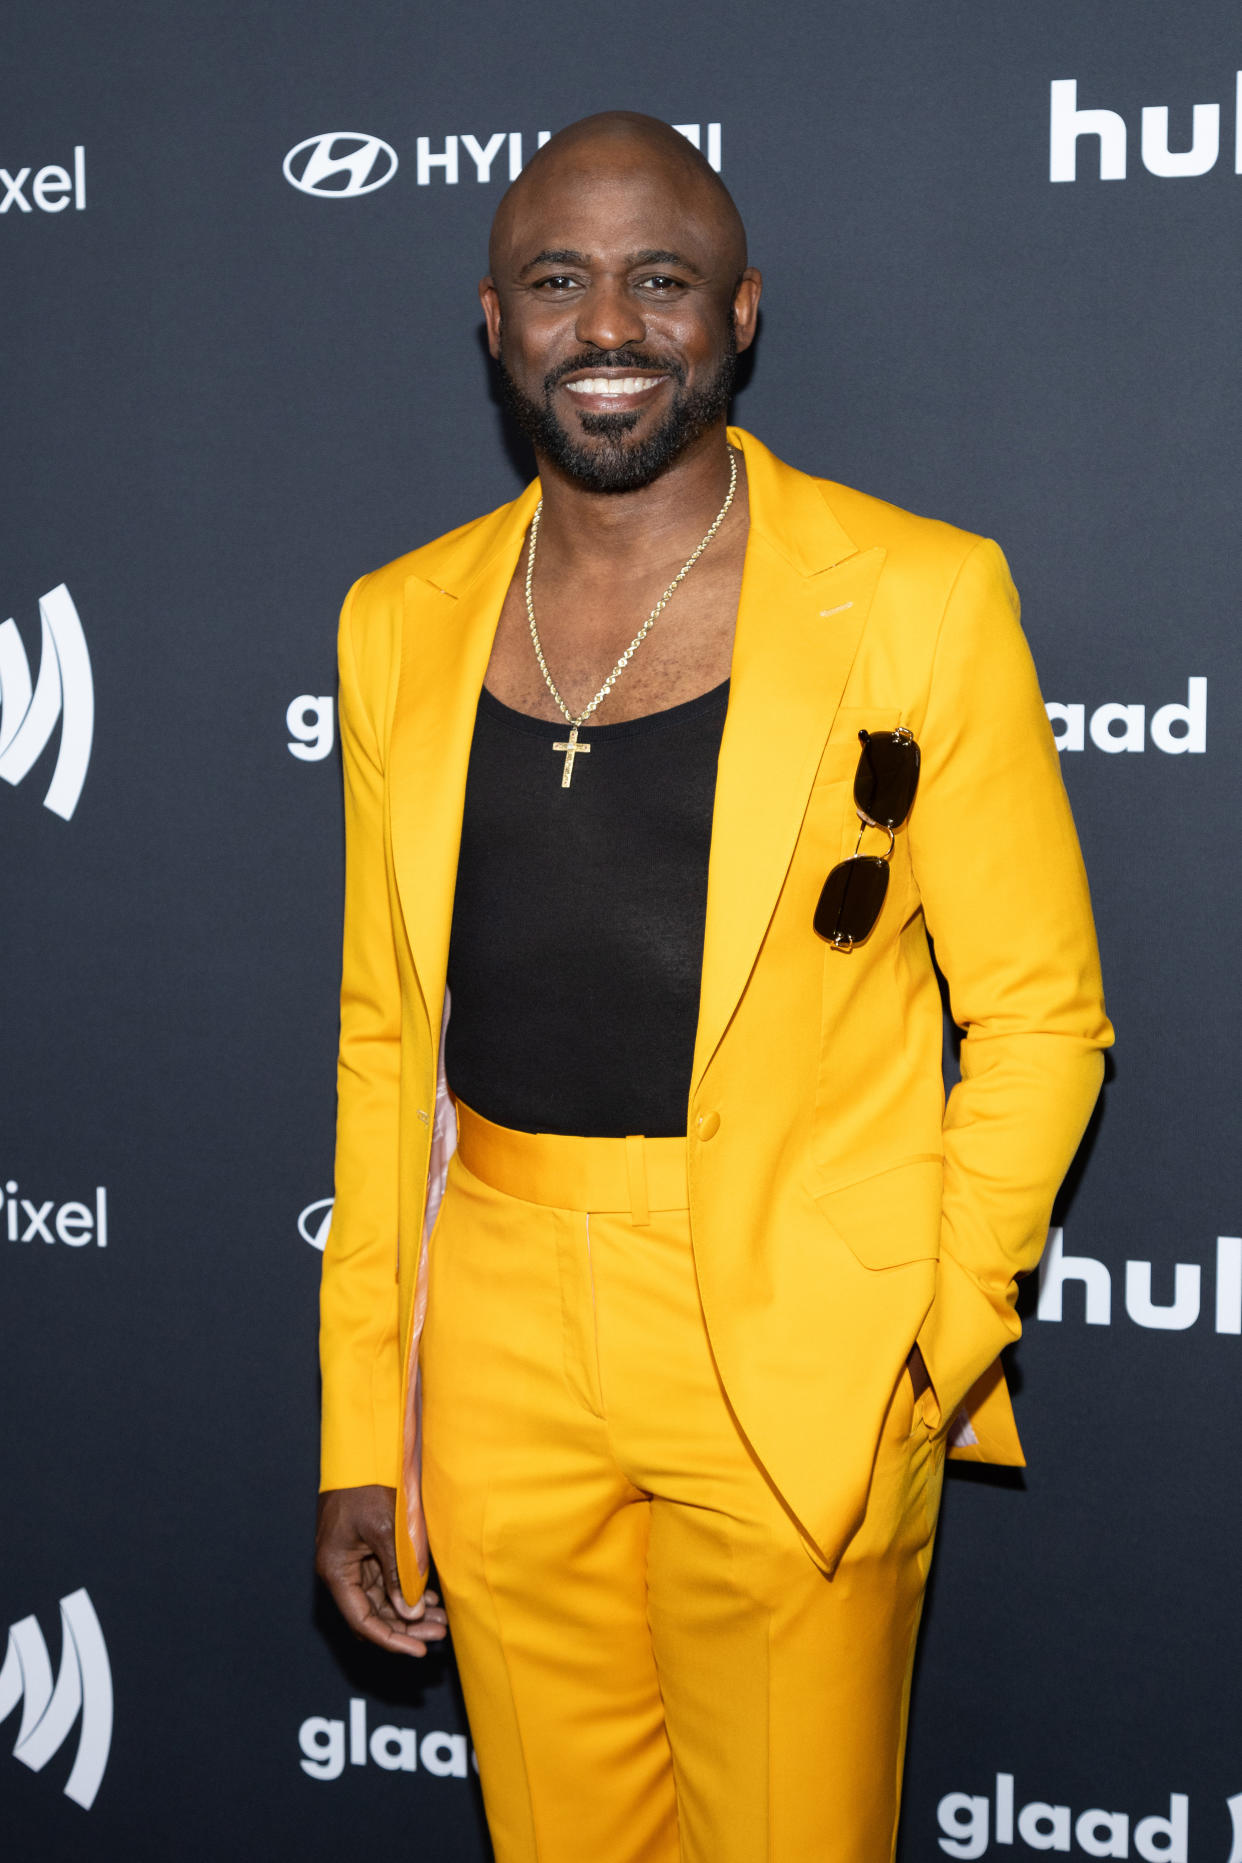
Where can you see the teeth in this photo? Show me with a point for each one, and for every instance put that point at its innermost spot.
(612, 384)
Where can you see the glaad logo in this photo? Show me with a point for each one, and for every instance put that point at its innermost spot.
(83, 1686)
(395, 1749)
(28, 715)
(309, 722)
(50, 190)
(344, 164)
(1057, 1268)
(315, 1222)
(340, 164)
(966, 1827)
(1235, 1818)
(1112, 727)
(1069, 123)
(74, 1224)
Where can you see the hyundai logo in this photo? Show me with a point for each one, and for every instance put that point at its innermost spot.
(315, 1222)
(340, 164)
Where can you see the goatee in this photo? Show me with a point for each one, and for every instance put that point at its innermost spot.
(614, 465)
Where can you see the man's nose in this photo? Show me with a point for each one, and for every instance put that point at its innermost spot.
(609, 318)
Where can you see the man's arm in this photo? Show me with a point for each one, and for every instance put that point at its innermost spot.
(1005, 895)
(359, 1331)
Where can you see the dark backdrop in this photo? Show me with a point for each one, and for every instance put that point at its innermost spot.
(225, 397)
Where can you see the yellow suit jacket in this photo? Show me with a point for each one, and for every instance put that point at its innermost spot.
(839, 1210)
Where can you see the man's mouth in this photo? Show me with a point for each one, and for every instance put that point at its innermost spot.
(613, 391)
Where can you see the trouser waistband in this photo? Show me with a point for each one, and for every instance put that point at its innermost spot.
(634, 1174)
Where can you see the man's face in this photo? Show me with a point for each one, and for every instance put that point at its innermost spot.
(616, 313)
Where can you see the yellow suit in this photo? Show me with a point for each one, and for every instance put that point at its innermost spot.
(839, 1212)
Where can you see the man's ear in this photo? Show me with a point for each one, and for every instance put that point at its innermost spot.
(489, 298)
(746, 298)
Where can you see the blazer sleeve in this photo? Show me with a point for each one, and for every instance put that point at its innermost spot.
(358, 1339)
(1004, 892)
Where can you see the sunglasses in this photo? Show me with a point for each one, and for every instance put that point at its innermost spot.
(884, 786)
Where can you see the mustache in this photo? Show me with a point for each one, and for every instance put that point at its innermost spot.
(637, 360)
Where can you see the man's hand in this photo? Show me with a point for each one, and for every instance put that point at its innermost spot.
(356, 1558)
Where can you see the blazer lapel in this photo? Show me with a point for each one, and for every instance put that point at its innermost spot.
(806, 591)
(447, 637)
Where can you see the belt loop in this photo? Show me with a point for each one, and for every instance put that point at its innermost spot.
(636, 1172)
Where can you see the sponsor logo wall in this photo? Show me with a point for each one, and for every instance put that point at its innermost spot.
(251, 372)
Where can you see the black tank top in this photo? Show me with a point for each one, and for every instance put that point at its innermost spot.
(577, 940)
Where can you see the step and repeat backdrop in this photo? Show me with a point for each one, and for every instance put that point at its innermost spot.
(243, 362)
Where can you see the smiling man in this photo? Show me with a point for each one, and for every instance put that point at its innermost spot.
(660, 1274)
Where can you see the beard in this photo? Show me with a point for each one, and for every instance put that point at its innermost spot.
(615, 463)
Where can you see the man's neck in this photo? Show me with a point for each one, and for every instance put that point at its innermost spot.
(584, 530)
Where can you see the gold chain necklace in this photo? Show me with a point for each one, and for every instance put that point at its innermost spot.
(573, 748)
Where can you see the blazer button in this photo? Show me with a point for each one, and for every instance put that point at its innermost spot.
(708, 1125)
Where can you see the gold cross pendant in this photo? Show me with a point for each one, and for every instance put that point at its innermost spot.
(572, 749)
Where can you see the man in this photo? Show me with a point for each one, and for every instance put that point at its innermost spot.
(684, 1397)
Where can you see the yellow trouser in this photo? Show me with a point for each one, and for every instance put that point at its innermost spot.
(654, 1670)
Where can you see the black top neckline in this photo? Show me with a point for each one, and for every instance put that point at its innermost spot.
(578, 919)
(705, 702)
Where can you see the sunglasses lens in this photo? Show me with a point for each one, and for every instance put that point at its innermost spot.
(850, 902)
(888, 775)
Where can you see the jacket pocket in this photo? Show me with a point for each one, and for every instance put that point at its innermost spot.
(840, 758)
(891, 1217)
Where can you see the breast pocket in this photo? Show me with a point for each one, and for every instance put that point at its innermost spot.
(837, 767)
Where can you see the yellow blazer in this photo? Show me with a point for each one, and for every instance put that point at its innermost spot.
(840, 1211)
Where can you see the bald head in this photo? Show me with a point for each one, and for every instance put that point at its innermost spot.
(615, 152)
